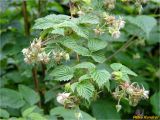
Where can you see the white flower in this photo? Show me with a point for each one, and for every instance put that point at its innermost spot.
(145, 94)
(67, 56)
(121, 23)
(43, 57)
(27, 60)
(62, 97)
(116, 34)
(25, 51)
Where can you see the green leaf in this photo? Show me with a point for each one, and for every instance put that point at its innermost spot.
(70, 114)
(98, 57)
(96, 44)
(49, 95)
(125, 77)
(28, 111)
(59, 31)
(87, 65)
(116, 66)
(4, 113)
(71, 43)
(154, 35)
(128, 71)
(154, 100)
(49, 21)
(36, 116)
(107, 85)
(105, 110)
(62, 73)
(87, 19)
(85, 90)
(146, 23)
(87, 1)
(122, 68)
(58, 22)
(10, 98)
(29, 95)
(81, 50)
(73, 26)
(84, 77)
(100, 77)
(73, 86)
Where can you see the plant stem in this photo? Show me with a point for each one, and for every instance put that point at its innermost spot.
(25, 15)
(36, 82)
(70, 8)
(78, 59)
(126, 45)
(39, 8)
(43, 70)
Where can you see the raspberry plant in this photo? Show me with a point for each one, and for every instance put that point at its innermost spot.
(72, 47)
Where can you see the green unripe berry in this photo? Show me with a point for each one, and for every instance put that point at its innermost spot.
(117, 75)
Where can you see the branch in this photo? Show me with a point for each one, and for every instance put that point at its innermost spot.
(126, 45)
(25, 15)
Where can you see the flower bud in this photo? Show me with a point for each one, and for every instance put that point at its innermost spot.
(78, 115)
(118, 107)
(67, 87)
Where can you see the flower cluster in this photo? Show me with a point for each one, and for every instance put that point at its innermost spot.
(114, 25)
(35, 53)
(131, 92)
(67, 100)
(138, 3)
(59, 55)
(109, 4)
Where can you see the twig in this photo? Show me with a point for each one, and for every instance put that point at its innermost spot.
(127, 44)
(25, 15)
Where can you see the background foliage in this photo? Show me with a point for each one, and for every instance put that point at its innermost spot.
(19, 100)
